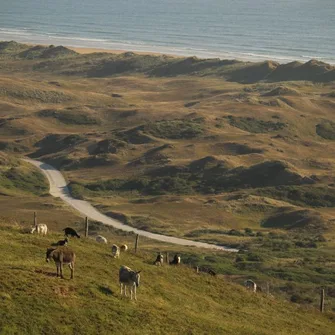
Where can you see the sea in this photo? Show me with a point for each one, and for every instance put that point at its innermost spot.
(254, 30)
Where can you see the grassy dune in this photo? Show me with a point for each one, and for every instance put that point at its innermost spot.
(170, 300)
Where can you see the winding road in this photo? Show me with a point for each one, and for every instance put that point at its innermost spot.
(58, 188)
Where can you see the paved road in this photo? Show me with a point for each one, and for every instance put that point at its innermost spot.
(58, 188)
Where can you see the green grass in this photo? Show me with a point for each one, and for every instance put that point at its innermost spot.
(21, 177)
(69, 117)
(313, 196)
(175, 129)
(254, 125)
(171, 300)
(35, 94)
(326, 129)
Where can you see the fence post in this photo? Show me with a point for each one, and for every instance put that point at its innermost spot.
(136, 243)
(167, 258)
(35, 219)
(86, 226)
(322, 300)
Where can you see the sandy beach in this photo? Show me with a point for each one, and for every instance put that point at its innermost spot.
(84, 50)
(94, 50)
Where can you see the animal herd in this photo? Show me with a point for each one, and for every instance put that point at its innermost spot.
(62, 255)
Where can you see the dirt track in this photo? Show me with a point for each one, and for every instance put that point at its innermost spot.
(58, 188)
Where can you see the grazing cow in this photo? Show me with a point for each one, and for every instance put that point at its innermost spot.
(250, 285)
(176, 260)
(101, 239)
(115, 251)
(41, 228)
(130, 278)
(61, 256)
(70, 232)
(159, 259)
(124, 247)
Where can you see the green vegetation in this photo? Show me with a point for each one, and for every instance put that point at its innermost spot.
(13, 147)
(301, 195)
(326, 129)
(175, 129)
(69, 116)
(33, 300)
(110, 145)
(25, 180)
(35, 94)
(53, 143)
(253, 125)
(16, 176)
(204, 176)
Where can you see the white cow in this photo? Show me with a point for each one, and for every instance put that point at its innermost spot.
(130, 278)
(115, 251)
(41, 228)
(101, 239)
(250, 285)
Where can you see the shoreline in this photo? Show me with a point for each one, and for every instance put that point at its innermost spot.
(118, 48)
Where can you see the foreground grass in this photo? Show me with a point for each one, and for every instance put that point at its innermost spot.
(170, 300)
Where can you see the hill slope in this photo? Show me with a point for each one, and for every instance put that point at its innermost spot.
(171, 300)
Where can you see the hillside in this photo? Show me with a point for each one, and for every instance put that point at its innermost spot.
(233, 153)
(170, 299)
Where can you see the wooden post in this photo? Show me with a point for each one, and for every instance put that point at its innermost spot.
(86, 226)
(197, 269)
(167, 258)
(322, 300)
(35, 219)
(136, 243)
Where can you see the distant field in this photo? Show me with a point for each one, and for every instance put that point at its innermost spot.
(226, 152)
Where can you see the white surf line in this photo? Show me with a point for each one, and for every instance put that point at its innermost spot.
(58, 188)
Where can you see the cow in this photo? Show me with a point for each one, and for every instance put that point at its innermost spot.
(41, 229)
(101, 239)
(61, 256)
(250, 285)
(115, 251)
(70, 232)
(130, 278)
(176, 260)
(159, 259)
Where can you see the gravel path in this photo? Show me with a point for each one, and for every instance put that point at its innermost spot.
(58, 188)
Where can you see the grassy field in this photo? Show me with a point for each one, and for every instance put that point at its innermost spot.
(171, 299)
(234, 153)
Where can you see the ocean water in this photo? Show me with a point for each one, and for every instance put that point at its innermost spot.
(281, 30)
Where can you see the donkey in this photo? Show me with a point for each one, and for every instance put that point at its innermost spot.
(61, 256)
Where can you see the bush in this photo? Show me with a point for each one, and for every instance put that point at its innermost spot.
(253, 125)
(174, 129)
